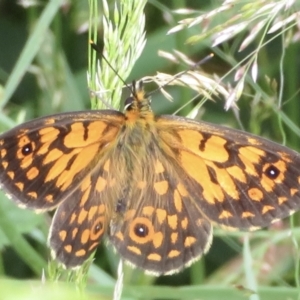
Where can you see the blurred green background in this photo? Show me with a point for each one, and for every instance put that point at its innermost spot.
(56, 81)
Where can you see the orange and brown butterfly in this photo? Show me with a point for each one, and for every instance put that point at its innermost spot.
(154, 185)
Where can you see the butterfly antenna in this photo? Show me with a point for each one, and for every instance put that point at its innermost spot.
(98, 50)
(201, 62)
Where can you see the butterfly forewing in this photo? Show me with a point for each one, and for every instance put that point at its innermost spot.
(236, 179)
(43, 161)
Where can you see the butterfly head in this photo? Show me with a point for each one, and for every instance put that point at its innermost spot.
(138, 104)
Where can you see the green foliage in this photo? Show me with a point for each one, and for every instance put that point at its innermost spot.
(45, 56)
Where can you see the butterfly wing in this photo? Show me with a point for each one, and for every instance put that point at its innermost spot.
(43, 161)
(80, 221)
(85, 215)
(235, 179)
(156, 227)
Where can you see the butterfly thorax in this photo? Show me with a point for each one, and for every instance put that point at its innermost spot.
(138, 127)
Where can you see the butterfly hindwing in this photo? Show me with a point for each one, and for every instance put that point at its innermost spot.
(79, 223)
(158, 228)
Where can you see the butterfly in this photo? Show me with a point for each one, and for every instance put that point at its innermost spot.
(154, 185)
